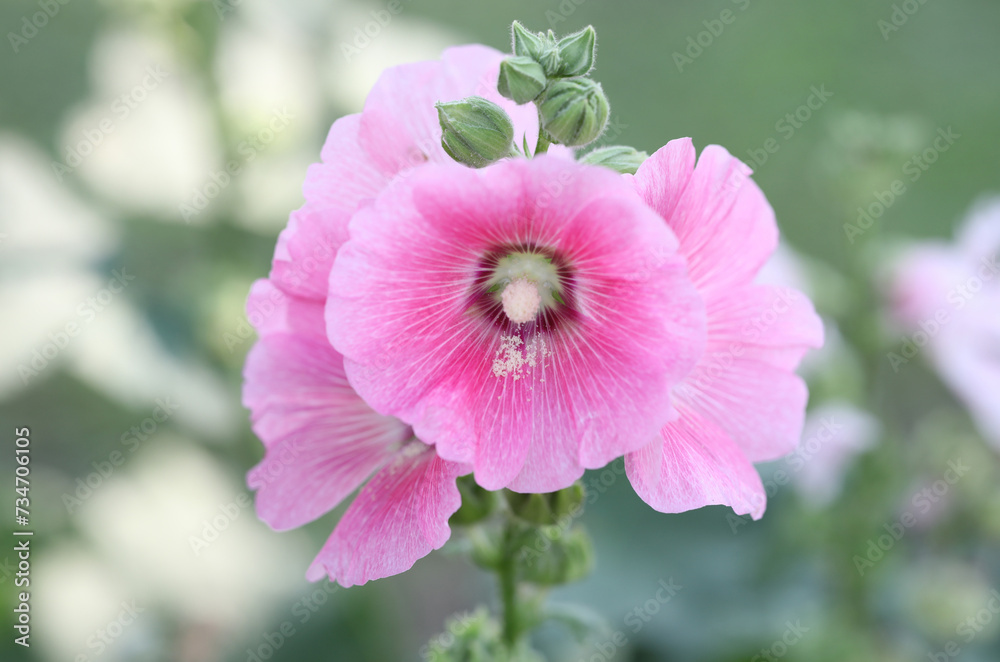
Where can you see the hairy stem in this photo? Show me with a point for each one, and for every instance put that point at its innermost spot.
(543, 143)
(507, 574)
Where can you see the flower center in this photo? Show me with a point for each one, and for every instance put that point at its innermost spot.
(521, 300)
(527, 283)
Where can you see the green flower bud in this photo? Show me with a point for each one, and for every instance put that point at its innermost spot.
(469, 637)
(521, 79)
(527, 43)
(477, 503)
(542, 48)
(556, 556)
(574, 111)
(547, 509)
(619, 158)
(576, 52)
(475, 131)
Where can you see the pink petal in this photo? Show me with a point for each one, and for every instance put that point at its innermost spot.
(695, 464)
(322, 441)
(271, 311)
(773, 324)
(756, 334)
(333, 190)
(723, 221)
(398, 518)
(761, 407)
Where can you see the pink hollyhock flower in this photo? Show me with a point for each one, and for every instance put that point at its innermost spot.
(508, 321)
(742, 403)
(397, 130)
(304, 410)
(323, 442)
(947, 298)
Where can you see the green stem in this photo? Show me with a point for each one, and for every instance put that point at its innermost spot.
(543, 143)
(507, 574)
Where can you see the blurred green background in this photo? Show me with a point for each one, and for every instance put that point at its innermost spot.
(114, 115)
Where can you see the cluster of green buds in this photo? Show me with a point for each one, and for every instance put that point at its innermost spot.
(553, 74)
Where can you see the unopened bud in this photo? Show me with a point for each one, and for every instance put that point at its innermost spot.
(475, 131)
(549, 508)
(570, 557)
(574, 111)
(576, 52)
(477, 503)
(540, 47)
(619, 158)
(521, 79)
(527, 43)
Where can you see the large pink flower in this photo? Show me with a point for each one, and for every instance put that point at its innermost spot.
(742, 403)
(947, 298)
(511, 316)
(323, 442)
(397, 130)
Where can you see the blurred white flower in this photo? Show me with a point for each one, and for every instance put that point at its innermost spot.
(76, 597)
(366, 40)
(122, 357)
(140, 525)
(146, 138)
(144, 522)
(41, 221)
(48, 241)
(271, 95)
(264, 67)
(945, 298)
(834, 434)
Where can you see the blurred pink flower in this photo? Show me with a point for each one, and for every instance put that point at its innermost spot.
(742, 403)
(508, 314)
(947, 299)
(323, 442)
